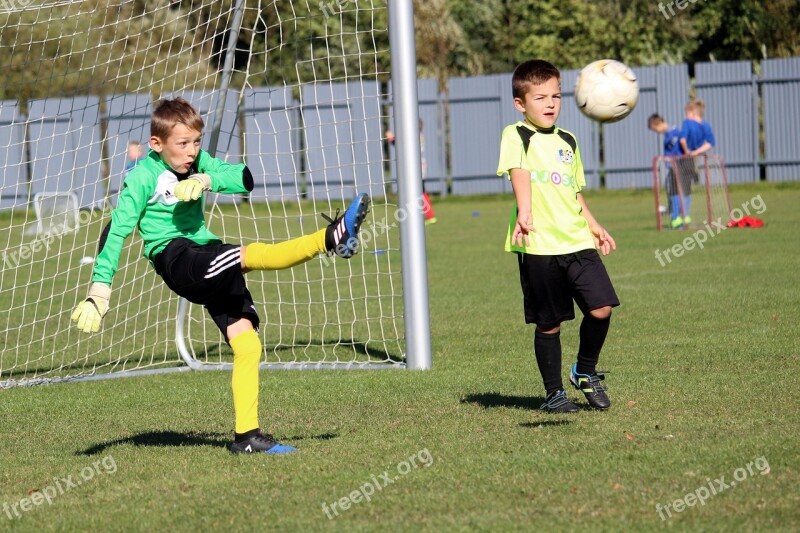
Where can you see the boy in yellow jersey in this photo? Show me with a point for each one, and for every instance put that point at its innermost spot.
(555, 237)
(163, 197)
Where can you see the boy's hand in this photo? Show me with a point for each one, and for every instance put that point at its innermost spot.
(602, 240)
(192, 188)
(89, 313)
(522, 228)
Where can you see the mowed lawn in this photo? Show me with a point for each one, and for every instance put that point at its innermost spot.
(703, 433)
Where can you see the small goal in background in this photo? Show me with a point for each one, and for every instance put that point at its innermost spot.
(690, 191)
(57, 213)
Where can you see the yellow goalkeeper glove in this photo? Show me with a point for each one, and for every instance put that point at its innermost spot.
(192, 188)
(90, 312)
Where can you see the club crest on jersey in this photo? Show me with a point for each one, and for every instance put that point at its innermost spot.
(565, 155)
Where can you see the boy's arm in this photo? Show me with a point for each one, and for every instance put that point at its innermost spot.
(709, 143)
(521, 184)
(214, 175)
(603, 241)
(130, 205)
(225, 177)
(705, 147)
(684, 133)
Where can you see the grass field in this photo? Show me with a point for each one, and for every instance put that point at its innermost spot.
(702, 355)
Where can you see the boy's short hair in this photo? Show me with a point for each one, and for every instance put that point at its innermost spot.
(698, 106)
(167, 113)
(532, 72)
(654, 120)
(134, 142)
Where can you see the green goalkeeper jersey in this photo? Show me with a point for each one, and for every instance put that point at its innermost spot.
(147, 202)
(554, 161)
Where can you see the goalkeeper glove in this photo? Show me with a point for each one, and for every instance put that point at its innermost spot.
(192, 188)
(89, 313)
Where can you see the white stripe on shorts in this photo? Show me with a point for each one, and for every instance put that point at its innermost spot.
(223, 262)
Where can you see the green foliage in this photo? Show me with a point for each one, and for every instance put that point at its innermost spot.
(499, 34)
(157, 46)
(90, 47)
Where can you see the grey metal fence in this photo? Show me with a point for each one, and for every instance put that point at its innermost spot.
(729, 91)
(741, 107)
(780, 93)
(331, 140)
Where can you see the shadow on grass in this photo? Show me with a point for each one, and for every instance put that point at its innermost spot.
(545, 423)
(489, 400)
(174, 438)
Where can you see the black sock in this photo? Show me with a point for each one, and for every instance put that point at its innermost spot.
(547, 347)
(593, 336)
(241, 437)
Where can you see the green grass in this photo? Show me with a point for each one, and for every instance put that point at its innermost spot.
(703, 353)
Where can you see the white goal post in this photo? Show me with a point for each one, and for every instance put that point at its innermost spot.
(298, 92)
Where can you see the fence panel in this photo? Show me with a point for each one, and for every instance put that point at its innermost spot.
(672, 92)
(628, 145)
(780, 88)
(432, 137)
(343, 139)
(64, 146)
(477, 118)
(128, 119)
(272, 143)
(729, 92)
(13, 174)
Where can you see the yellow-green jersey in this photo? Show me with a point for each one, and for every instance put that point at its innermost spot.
(554, 161)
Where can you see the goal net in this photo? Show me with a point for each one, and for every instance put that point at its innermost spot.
(690, 191)
(297, 90)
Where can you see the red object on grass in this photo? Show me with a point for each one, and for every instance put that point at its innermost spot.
(746, 222)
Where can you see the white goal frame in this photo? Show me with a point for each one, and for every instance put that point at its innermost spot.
(32, 364)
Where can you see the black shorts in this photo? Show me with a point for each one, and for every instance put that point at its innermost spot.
(209, 275)
(550, 283)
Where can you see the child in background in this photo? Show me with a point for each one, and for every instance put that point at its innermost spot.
(672, 148)
(135, 155)
(697, 138)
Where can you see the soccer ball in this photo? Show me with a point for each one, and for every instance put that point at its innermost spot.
(606, 91)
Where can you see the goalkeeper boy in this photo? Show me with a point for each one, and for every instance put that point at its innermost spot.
(163, 198)
(555, 237)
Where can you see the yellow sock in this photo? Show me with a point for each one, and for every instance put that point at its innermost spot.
(260, 256)
(244, 382)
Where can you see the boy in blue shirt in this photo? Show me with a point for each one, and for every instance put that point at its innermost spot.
(672, 148)
(697, 138)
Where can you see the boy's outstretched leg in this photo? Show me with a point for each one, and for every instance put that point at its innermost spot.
(244, 382)
(339, 238)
